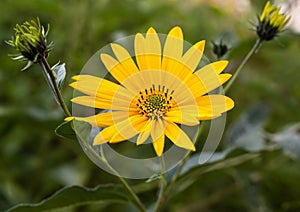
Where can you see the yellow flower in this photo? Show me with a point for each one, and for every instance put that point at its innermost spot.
(158, 89)
(271, 22)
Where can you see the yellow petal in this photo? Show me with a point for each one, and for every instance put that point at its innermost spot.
(173, 47)
(265, 11)
(121, 131)
(207, 78)
(70, 118)
(216, 67)
(213, 105)
(148, 51)
(125, 59)
(208, 83)
(158, 135)
(146, 80)
(157, 128)
(94, 86)
(193, 56)
(93, 102)
(116, 69)
(182, 117)
(178, 137)
(90, 101)
(173, 61)
(224, 78)
(104, 119)
(158, 145)
(129, 128)
(145, 132)
(99, 120)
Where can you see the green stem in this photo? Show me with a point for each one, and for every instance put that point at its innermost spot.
(137, 200)
(51, 79)
(251, 52)
(163, 197)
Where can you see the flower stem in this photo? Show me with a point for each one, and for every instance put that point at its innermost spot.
(165, 193)
(161, 195)
(137, 200)
(251, 52)
(51, 79)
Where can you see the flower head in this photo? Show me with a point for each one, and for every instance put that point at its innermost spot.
(158, 89)
(270, 22)
(30, 42)
(219, 49)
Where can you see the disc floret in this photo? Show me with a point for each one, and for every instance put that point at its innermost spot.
(154, 103)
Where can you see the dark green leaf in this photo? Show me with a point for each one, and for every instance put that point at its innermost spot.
(76, 196)
(65, 130)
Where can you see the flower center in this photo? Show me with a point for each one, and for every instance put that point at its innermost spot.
(154, 103)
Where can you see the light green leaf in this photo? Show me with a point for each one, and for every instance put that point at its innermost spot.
(193, 161)
(60, 73)
(233, 158)
(77, 196)
(289, 140)
(247, 132)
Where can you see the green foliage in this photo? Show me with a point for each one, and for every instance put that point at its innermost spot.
(250, 172)
(77, 196)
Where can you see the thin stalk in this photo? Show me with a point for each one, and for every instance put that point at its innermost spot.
(137, 200)
(251, 52)
(163, 197)
(162, 186)
(51, 79)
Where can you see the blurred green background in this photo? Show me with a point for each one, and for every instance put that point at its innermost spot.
(34, 162)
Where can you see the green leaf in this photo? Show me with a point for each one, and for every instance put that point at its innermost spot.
(233, 158)
(65, 130)
(193, 161)
(60, 72)
(247, 132)
(289, 140)
(77, 196)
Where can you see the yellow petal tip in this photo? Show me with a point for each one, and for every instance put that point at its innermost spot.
(219, 66)
(200, 45)
(158, 154)
(75, 77)
(73, 84)
(70, 118)
(193, 148)
(151, 30)
(176, 32)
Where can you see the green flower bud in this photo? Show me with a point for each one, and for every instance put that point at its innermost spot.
(30, 42)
